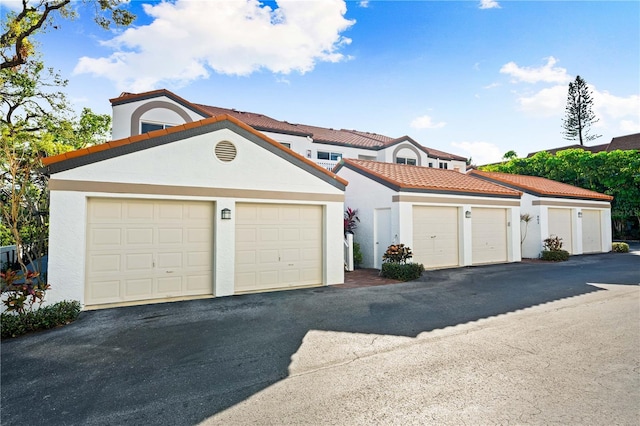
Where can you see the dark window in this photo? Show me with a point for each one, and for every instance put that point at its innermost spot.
(444, 166)
(323, 155)
(411, 161)
(333, 156)
(430, 164)
(150, 127)
(288, 145)
(402, 160)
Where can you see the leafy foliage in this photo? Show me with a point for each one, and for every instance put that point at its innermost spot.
(578, 113)
(61, 313)
(402, 271)
(19, 28)
(357, 254)
(553, 243)
(397, 253)
(351, 220)
(615, 173)
(21, 291)
(620, 247)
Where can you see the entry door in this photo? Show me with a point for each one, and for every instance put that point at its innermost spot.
(560, 224)
(382, 236)
(435, 236)
(591, 232)
(277, 246)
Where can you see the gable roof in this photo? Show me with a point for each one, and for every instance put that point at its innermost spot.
(402, 177)
(261, 122)
(94, 154)
(540, 186)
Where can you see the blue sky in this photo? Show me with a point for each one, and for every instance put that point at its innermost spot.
(468, 77)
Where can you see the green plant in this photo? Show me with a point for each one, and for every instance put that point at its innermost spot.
(20, 292)
(402, 271)
(357, 255)
(525, 218)
(555, 255)
(620, 247)
(553, 243)
(397, 253)
(61, 313)
(351, 220)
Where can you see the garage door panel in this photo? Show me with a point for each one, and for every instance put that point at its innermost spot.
(170, 236)
(489, 235)
(435, 236)
(591, 231)
(289, 241)
(156, 243)
(104, 263)
(139, 235)
(560, 224)
(139, 211)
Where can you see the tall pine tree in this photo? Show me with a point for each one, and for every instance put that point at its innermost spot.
(578, 113)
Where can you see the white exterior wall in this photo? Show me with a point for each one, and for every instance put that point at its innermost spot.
(121, 116)
(538, 229)
(173, 165)
(366, 196)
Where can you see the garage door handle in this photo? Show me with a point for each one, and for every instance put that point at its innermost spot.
(169, 272)
(433, 236)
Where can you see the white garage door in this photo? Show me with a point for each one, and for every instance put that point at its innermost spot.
(489, 235)
(277, 246)
(560, 225)
(435, 236)
(148, 249)
(591, 233)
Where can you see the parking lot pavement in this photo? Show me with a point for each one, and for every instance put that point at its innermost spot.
(516, 343)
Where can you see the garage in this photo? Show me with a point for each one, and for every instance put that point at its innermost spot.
(591, 232)
(488, 235)
(147, 249)
(435, 236)
(277, 247)
(206, 209)
(560, 225)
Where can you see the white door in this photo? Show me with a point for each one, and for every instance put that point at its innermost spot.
(277, 246)
(591, 232)
(560, 225)
(489, 235)
(147, 249)
(435, 236)
(382, 237)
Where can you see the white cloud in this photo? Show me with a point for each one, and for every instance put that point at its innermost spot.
(426, 122)
(546, 73)
(489, 4)
(546, 102)
(491, 86)
(628, 126)
(364, 3)
(186, 39)
(480, 152)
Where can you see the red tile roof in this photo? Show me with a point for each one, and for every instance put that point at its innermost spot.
(402, 176)
(176, 129)
(541, 186)
(262, 122)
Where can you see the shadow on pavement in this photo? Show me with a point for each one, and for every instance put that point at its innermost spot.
(181, 363)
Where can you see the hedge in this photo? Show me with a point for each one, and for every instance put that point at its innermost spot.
(61, 313)
(402, 271)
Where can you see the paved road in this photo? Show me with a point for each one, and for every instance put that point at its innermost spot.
(528, 343)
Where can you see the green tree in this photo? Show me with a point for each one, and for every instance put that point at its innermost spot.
(579, 115)
(19, 28)
(509, 155)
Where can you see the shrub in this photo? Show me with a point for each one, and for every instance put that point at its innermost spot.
(20, 292)
(61, 313)
(351, 220)
(397, 253)
(357, 255)
(555, 255)
(402, 271)
(620, 247)
(553, 243)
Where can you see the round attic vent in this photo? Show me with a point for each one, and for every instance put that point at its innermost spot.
(225, 151)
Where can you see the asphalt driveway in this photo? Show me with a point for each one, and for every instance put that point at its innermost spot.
(187, 362)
